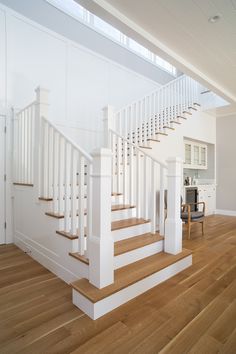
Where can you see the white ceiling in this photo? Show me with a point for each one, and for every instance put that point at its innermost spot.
(179, 31)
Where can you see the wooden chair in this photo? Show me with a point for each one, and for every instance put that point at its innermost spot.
(190, 217)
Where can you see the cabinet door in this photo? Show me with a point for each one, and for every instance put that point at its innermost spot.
(203, 156)
(211, 200)
(188, 153)
(196, 151)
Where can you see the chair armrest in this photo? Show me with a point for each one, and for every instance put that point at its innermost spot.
(189, 204)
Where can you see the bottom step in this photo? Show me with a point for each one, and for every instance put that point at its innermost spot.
(130, 281)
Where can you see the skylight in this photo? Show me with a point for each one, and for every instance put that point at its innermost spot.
(78, 12)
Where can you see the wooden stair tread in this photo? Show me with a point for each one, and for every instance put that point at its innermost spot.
(135, 242)
(129, 275)
(69, 235)
(60, 216)
(175, 122)
(23, 184)
(121, 247)
(122, 224)
(167, 127)
(115, 194)
(187, 112)
(113, 208)
(156, 140)
(117, 207)
(46, 199)
(79, 257)
(145, 147)
(161, 133)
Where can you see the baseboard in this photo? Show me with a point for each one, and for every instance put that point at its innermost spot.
(49, 263)
(225, 212)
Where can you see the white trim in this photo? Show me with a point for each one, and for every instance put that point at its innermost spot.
(225, 212)
(100, 308)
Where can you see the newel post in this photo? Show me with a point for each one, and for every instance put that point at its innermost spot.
(108, 123)
(41, 110)
(173, 224)
(101, 244)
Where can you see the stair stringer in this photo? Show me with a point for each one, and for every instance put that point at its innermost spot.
(35, 234)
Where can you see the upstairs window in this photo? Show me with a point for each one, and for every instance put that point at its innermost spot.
(81, 14)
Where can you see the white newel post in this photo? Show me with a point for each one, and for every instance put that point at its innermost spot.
(101, 244)
(173, 224)
(41, 110)
(108, 123)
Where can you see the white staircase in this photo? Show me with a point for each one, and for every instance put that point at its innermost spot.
(104, 214)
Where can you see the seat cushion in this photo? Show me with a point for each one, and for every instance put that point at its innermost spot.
(194, 215)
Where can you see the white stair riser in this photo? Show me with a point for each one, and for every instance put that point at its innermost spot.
(118, 199)
(140, 253)
(131, 231)
(100, 308)
(62, 223)
(123, 214)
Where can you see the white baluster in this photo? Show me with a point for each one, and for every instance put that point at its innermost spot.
(131, 173)
(55, 172)
(153, 197)
(74, 157)
(138, 196)
(81, 206)
(66, 187)
(124, 161)
(89, 206)
(61, 175)
(162, 203)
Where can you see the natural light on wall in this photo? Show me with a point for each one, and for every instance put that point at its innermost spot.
(81, 14)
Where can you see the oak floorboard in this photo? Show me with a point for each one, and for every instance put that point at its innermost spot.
(193, 312)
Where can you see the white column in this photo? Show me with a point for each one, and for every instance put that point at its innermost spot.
(173, 224)
(101, 244)
(108, 123)
(41, 110)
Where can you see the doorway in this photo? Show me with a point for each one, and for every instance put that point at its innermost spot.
(2, 180)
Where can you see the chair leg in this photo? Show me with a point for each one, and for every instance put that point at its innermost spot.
(189, 230)
(203, 228)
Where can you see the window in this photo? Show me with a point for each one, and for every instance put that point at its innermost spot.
(78, 12)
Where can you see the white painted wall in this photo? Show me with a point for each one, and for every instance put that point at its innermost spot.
(81, 82)
(2, 183)
(200, 126)
(226, 166)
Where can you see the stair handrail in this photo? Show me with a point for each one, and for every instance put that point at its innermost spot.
(159, 88)
(70, 141)
(161, 163)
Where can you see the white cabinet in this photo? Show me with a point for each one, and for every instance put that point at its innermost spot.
(207, 194)
(195, 155)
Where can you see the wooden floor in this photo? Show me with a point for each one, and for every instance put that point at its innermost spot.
(194, 312)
